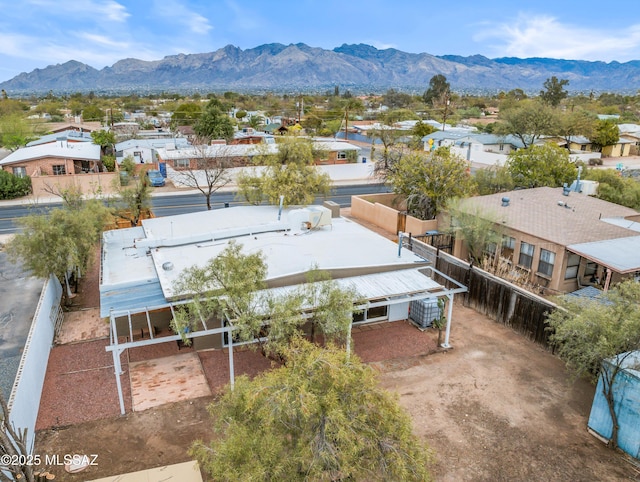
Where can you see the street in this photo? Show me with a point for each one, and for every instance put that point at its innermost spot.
(173, 204)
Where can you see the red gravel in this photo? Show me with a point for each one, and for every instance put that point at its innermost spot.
(216, 366)
(80, 385)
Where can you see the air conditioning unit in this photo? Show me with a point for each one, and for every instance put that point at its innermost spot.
(589, 188)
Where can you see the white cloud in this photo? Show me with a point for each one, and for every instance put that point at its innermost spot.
(103, 10)
(180, 14)
(545, 36)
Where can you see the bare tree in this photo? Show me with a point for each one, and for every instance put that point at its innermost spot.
(14, 456)
(208, 171)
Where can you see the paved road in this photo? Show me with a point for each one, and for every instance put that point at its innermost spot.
(177, 203)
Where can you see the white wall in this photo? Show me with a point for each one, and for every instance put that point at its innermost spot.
(24, 401)
(399, 311)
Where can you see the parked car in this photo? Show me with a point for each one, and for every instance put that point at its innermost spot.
(155, 178)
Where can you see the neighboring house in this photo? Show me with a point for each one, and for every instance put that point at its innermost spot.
(576, 144)
(186, 132)
(140, 267)
(187, 157)
(125, 129)
(561, 242)
(143, 151)
(338, 151)
(271, 128)
(622, 148)
(248, 135)
(61, 165)
(74, 126)
(69, 136)
(631, 132)
(480, 149)
(242, 154)
(54, 159)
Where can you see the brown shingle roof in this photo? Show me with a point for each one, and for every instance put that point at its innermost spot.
(537, 212)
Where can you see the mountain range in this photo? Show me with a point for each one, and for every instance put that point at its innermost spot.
(300, 68)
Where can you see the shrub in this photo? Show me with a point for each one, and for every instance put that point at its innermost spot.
(12, 186)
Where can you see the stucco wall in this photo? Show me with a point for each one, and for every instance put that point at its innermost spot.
(383, 210)
(87, 183)
(25, 397)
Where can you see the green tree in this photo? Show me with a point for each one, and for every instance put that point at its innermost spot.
(420, 130)
(493, 179)
(587, 332)
(479, 229)
(545, 165)
(92, 112)
(575, 123)
(606, 134)
(133, 202)
(105, 139)
(438, 86)
(15, 131)
(429, 181)
(12, 186)
(214, 123)
(615, 188)
(62, 241)
(231, 287)
(186, 114)
(321, 416)
(528, 121)
(291, 173)
(349, 105)
(554, 92)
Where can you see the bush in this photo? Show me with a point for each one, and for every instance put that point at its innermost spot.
(13, 186)
(109, 162)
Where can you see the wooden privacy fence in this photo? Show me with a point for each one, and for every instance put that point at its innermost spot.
(494, 297)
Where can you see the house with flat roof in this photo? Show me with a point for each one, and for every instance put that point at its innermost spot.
(143, 151)
(561, 240)
(140, 267)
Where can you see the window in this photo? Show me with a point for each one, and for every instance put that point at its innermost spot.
(490, 249)
(547, 260)
(341, 155)
(501, 147)
(59, 170)
(508, 245)
(20, 171)
(526, 255)
(573, 261)
(181, 163)
(583, 147)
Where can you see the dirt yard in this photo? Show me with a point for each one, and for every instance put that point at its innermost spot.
(496, 407)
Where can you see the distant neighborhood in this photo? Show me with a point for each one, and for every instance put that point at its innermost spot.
(524, 208)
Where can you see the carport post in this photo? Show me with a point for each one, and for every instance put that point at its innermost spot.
(118, 369)
(231, 371)
(449, 315)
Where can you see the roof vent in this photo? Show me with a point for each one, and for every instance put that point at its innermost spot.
(167, 266)
(566, 189)
(505, 201)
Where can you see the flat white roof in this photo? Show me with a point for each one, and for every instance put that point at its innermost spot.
(62, 149)
(135, 258)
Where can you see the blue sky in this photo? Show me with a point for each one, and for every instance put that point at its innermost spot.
(38, 33)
